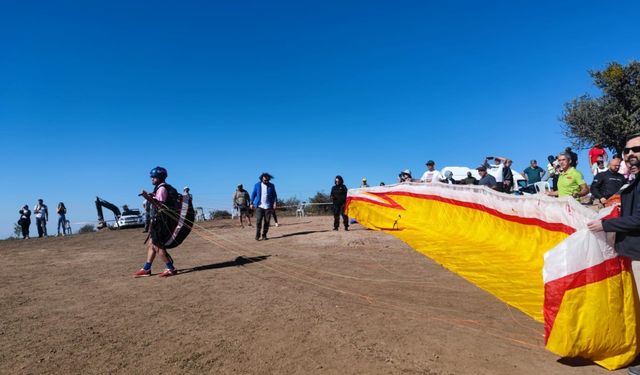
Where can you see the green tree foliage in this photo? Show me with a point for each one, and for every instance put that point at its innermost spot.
(610, 118)
(87, 228)
(219, 214)
(17, 230)
(321, 209)
(288, 206)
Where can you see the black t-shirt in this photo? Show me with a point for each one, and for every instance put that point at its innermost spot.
(339, 194)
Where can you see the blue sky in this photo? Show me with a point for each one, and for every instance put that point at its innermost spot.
(95, 94)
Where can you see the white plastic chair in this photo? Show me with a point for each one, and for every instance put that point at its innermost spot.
(300, 210)
(542, 186)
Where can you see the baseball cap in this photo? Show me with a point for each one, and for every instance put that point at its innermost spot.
(431, 162)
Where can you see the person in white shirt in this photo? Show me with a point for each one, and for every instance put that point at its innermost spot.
(598, 166)
(431, 175)
(496, 170)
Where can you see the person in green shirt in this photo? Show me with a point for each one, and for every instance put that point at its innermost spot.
(570, 182)
(533, 173)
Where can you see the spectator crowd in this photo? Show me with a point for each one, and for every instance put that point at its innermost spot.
(41, 214)
(560, 178)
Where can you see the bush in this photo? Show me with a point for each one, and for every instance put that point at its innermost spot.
(220, 214)
(324, 209)
(87, 228)
(288, 207)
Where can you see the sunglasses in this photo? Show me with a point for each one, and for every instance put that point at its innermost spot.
(631, 149)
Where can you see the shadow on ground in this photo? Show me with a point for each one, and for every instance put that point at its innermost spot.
(576, 362)
(300, 233)
(239, 261)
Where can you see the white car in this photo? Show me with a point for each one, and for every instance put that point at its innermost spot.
(130, 219)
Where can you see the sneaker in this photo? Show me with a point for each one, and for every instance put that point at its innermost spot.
(277, 225)
(264, 237)
(257, 238)
(346, 228)
(142, 273)
(335, 228)
(167, 272)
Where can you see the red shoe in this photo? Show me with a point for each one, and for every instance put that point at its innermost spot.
(142, 273)
(167, 272)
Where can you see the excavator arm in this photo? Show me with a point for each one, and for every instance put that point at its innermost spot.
(110, 206)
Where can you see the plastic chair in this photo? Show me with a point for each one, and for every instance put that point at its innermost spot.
(542, 186)
(300, 210)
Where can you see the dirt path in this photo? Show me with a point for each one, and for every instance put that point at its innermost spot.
(309, 300)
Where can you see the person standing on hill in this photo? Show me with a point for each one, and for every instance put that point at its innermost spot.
(533, 173)
(62, 218)
(573, 155)
(606, 184)
(42, 216)
(469, 180)
(507, 177)
(486, 179)
(241, 203)
(339, 199)
(431, 175)
(162, 193)
(263, 200)
(25, 221)
(497, 170)
(570, 182)
(596, 152)
(627, 225)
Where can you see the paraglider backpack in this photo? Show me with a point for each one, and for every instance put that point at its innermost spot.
(172, 220)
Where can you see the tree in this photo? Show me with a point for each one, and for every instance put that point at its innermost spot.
(288, 206)
(324, 208)
(609, 119)
(17, 230)
(87, 228)
(219, 214)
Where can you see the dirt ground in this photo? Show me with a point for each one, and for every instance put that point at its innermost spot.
(307, 301)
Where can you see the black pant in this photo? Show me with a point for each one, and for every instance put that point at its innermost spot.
(41, 223)
(24, 225)
(262, 214)
(338, 210)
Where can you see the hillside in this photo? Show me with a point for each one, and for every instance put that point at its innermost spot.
(309, 300)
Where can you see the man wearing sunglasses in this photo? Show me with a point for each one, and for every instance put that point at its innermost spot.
(627, 226)
(570, 182)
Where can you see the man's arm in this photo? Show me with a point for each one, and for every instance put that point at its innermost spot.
(584, 190)
(629, 223)
(254, 193)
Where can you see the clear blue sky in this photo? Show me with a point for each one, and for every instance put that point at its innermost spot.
(94, 94)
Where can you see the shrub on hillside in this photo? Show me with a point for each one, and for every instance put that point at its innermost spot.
(87, 228)
(323, 204)
(220, 214)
